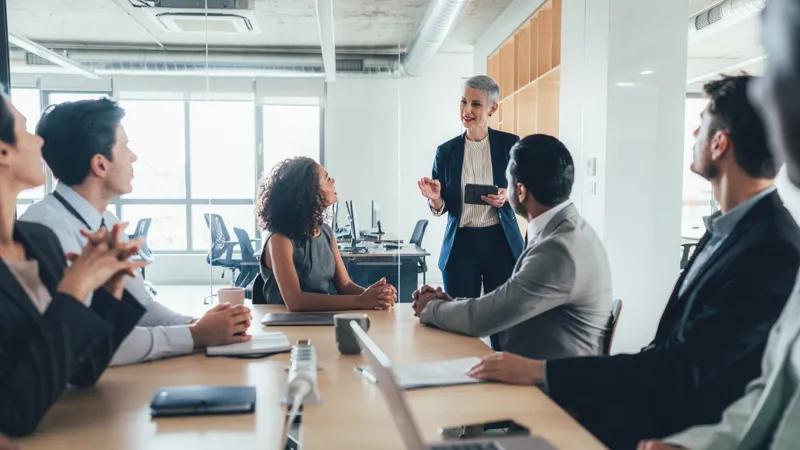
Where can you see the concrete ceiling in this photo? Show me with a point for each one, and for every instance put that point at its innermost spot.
(284, 23)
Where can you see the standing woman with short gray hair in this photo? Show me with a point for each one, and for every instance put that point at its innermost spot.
(482, 241)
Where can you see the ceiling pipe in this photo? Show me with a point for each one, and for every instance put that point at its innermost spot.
(439, 19)
(51, 56)
(436, 24)
(722, 16)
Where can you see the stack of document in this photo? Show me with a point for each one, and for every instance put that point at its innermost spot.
(261, 344)
(432, 374)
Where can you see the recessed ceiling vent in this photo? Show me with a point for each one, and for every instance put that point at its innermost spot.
(203, 16)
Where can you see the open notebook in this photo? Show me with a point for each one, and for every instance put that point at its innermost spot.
(431, 373)
(261, 344)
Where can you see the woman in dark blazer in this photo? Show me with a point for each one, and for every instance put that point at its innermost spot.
(49, 337)
(481, 242)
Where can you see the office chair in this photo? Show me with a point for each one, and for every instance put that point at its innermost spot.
(613, 321)
(416, 239)
(221, 252)
(145, 254)
(687, 249)
(249, 265)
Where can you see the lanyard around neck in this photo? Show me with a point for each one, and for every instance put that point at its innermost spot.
(74, 212)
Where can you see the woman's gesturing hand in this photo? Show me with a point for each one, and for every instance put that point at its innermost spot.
(430, 189)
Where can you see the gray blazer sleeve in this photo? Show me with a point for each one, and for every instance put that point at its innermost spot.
(542, 281)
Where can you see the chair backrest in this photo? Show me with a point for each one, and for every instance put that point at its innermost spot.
(245, 245)
(141, 232)
(613, 321)
(419, 233)
(143, 227)
(686, 252)
(258, 291)
(220, 239)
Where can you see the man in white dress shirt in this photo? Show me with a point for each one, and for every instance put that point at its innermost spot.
(87, 149)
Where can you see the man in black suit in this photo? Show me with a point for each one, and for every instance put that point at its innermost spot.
(714, 330)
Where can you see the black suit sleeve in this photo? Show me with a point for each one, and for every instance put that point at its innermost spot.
(121, 316)
(439, 168)
(33, 376)
(731, 324)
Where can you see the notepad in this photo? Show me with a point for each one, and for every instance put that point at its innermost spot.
(261, 344)
(451, 372)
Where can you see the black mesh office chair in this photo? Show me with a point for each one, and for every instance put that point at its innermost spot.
(249, 266)
(145, 253)
(416, 239)
(221, 252)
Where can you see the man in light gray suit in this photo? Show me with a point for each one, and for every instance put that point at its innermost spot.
(558, 299)
(768, 415)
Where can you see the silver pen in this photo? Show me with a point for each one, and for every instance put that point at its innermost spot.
(367, 374)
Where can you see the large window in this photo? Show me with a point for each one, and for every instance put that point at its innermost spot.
(223, 142)
(156, 133)
(698, 196)
(194, 158)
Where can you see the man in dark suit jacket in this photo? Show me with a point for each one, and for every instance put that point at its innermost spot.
(70, 343)
(714, 330)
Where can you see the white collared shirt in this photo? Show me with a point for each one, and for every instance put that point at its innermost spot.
(161, 332)
(538, 224)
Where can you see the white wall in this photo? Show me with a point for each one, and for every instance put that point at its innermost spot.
(381, 137)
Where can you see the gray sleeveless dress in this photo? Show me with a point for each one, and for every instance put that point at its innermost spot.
(314, 262)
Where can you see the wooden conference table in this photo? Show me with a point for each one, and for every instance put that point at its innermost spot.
(115, 413)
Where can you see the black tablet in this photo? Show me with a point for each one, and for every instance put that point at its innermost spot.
(203, 400)
(473, 193)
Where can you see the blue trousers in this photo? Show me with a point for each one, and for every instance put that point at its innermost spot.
(480, 257)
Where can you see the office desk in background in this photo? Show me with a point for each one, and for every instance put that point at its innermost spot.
(399, 266)
(115, 413)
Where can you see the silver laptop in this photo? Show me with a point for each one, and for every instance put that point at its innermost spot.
(382, 370)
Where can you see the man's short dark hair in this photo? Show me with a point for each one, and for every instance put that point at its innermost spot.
(544, 165)
(74, 132)
(733, 113)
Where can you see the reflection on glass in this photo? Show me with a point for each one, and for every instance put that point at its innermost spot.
(239, 216)
(168, 228)
(289, 131)
(222, 149)
(28, 102)
(698, 197)
(156, 133)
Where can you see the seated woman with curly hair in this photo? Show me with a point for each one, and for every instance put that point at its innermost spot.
(300, 258)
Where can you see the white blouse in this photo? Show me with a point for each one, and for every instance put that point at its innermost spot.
(477, 169)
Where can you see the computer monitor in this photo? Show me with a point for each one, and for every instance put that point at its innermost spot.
(376, 218)
(335, 217)
(351, 214)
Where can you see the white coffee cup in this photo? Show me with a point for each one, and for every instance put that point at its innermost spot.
(232, 295)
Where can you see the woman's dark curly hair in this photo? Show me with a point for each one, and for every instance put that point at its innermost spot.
(290, 199)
